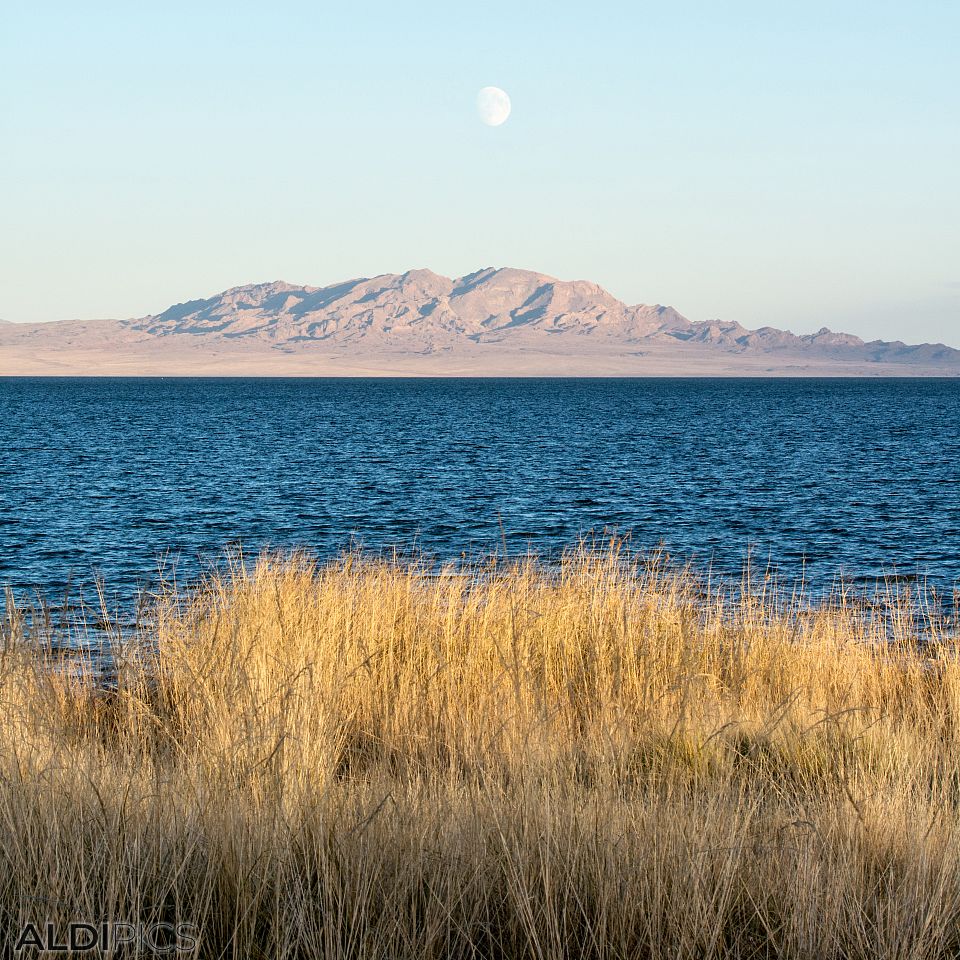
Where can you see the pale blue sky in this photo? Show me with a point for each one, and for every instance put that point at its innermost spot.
(784, 163)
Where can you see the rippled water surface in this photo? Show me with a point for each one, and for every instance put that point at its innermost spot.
(117, 477)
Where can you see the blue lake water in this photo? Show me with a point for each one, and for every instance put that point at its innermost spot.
(118, 477)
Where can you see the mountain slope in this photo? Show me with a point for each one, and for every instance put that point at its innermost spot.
(418, 307)
(492, 321)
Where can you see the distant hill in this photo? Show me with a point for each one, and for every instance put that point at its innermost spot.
(492, 322)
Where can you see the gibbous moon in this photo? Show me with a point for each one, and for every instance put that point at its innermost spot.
(493, 105)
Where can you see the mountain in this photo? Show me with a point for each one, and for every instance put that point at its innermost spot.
(494, 321)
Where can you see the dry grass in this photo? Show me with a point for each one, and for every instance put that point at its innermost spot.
(363, 760)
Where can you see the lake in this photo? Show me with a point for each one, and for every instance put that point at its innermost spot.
(124, 477)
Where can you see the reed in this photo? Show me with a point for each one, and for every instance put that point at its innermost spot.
(596, 759)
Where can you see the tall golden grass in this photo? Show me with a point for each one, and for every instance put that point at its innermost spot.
(363, 759)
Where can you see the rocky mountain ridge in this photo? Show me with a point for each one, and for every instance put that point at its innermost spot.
(490, 321)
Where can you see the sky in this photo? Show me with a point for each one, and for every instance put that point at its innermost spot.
(791, 164)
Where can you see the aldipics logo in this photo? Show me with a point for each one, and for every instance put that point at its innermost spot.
(81, 937)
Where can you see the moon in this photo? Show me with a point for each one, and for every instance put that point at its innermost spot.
(493, 105)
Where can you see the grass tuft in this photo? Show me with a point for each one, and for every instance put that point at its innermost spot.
(599, 759)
